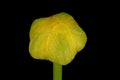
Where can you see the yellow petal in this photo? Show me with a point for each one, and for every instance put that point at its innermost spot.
(57, 38)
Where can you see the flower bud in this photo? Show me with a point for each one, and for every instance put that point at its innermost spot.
(56, 38)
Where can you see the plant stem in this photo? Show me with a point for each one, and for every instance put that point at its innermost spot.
(57, 71)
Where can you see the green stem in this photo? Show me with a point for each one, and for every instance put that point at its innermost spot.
(57, 71)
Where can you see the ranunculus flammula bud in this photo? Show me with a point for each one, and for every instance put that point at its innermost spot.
(56, 38)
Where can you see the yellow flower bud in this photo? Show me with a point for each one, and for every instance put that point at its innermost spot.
(57, 38)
